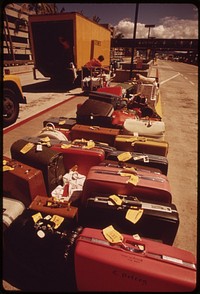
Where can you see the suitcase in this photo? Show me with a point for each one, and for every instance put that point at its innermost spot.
(94, 112)
(125, 165)
(129, 89)
(11, 209)
(144, 185)
(119, 116)
(144, 127)
(60, 122)
(131, 265)
(115, 90)
(83, 158)
(49, 206)
(143, 159)
(22, 182)
(159, 221)
(105, 96)
(95, 133)
(141, 144)
(49, 161)
(39, 257)
(54, 133)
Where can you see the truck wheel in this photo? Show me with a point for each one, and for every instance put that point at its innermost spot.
(10, 107)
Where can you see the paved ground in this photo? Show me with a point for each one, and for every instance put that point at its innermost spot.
(179, 100)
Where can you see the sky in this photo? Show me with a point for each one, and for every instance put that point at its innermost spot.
(176, 21)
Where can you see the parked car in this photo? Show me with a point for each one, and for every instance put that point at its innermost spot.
(12, 97)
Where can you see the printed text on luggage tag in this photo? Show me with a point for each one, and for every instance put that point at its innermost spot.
(133, 215)
(57, 220)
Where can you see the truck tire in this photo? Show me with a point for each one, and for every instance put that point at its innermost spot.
(10, 107)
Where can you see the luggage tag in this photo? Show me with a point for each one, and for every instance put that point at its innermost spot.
(125, 156)
(133, 179)
(134, 214)
(144, 157)
(66, 146)
(116, 199)
(57, 220)
(39, 147)
(6, 167)
(114, 237)
(27, 148)
(62, 122)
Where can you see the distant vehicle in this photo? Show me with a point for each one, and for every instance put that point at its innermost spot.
(12, 97)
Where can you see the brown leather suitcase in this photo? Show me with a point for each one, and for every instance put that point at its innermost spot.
(96, 133)
(49, 161)
(47, 205)
(141, 144)
(21, 181)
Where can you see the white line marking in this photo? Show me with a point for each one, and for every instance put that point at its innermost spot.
(178, 74)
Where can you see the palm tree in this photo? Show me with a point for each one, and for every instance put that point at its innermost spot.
(38, 8)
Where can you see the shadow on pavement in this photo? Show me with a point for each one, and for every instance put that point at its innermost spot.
(47, 86)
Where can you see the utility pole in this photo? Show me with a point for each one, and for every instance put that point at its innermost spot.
(134, 35)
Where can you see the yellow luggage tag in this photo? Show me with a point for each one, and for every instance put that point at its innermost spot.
(57, 220)
(62, 122)
(6, 167)
(36, 217)
(134, 214)
(116, 199)
(112, 235)
(133, 179)
(125, 156)
(27, 148)
(65, 146)
(90, 144)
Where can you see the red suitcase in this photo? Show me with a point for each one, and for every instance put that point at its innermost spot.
(80, 156)
(23, 182)
(148, 186)
(96, 133)
(119, 116)
(131, 266)
(116, 90)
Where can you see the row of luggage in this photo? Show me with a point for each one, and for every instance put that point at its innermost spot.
(93, 217)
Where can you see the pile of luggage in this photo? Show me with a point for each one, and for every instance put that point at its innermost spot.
(88, 204)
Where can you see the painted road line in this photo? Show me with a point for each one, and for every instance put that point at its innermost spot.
(173, 77)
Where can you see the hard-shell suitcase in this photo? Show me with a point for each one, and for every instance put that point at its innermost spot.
(120, 115)
(126, 165)
(54, 133)
(115, 90)
(131, 265)
(12, 208)
(22, 181)
(39, 251)
(159, 221)
(94, 112)
(83, 158)
(96, 133)
(60, 122)
(141, 144)
(139, 158)
(129, 88)
(49, 206)
(141, 184)
(107, 97)
(144, 127)
(49, 161)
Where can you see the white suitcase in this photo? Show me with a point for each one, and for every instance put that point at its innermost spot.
(149, 128)
(12, 208)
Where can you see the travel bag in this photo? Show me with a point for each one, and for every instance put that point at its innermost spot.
(38, 253)
(51, 206)
(115, 90)
(94, 112)
(21, 181)
(11, 209)
(49, 161)
(141, 144)
(129, 215)
(144, 127)
(81, 156)
(60, 122)
(131, 264)
(107, 97)
(141, 184)
(120, 115)
(95, 133)
(129, 88)
(54, 133)
(139, 158)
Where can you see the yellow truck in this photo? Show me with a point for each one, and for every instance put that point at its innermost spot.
(62, 40)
